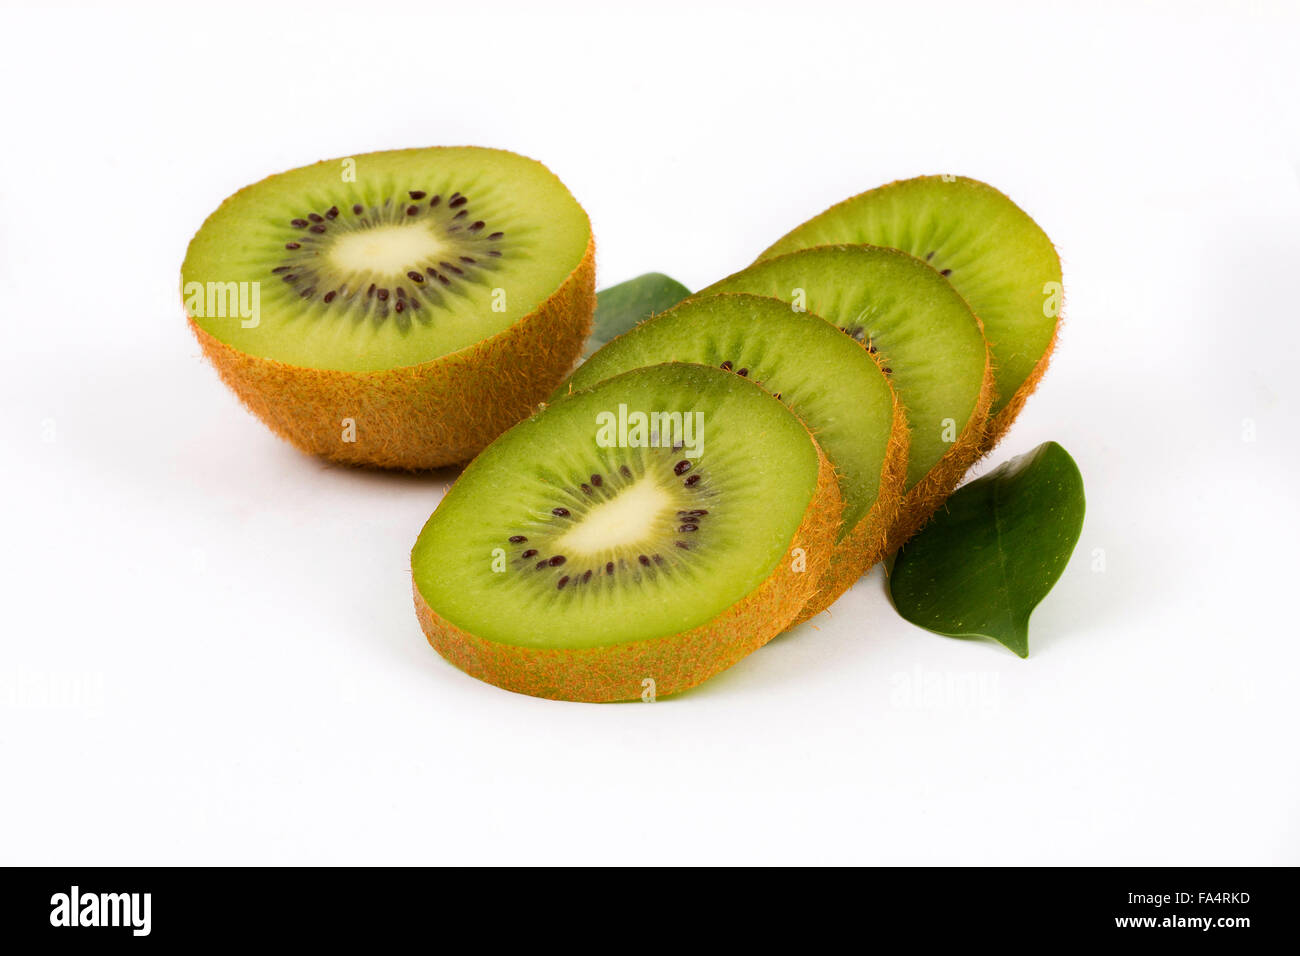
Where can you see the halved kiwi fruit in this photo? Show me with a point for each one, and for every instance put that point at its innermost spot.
(832, 384)
(604, 547)
(399, 308)
(927, 339)
(987, 247)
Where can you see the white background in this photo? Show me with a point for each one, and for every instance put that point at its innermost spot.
(209, 649)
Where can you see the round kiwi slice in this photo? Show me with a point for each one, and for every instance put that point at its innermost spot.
(988, 248)
(641, 535)
(836, 387)
(400, 308)
(926, 338)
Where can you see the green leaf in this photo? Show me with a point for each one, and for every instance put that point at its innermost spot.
(986, 559)
(622, 306)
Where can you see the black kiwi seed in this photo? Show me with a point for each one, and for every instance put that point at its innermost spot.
(726, 366)
(683, 545)
(417, 194)
(383, 295)
(625, 471)
(434, 201)
(497, 235)
(689, 527)
(609, 567)
(681, 468)
(315, 217)
(401, 293)
(412, 210)
(477, 225)
(288, 278)
(689, 482)
(562, 582)
(643, 559)
(698, 512)
(461, 215)
(556, 561)
(529, 553)
(292, 245)
(451, 268)
(371, 290)
(945, 272)
(358, 209)
(495, 253)
(929, 256)
(318, 229)
(329, 296)
(586, 576)
(415, 276)
(586, 489)
(307, 293)
(278, 269)
(332, 212)
(743, 372)
(517, 539)
(468, 259)
(542, 564)
(560, 512)
(299, 223)
(597, 480)
(399, 307)
(457, 201)
(889, 371)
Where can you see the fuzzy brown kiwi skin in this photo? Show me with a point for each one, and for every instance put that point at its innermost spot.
(676, 663)
(868, 541)
(416, 417)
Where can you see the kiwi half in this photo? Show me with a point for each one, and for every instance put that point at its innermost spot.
(985, 245)
(582, 556)
(399, 308)
(834, 386)
(927, 339)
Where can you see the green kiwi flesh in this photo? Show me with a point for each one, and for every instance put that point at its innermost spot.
(387, 259)
(902, 311)
(559, 537)
(829, 381)
(992, 252)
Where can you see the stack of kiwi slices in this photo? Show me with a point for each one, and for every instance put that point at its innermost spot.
(845, 381)
(398, 309)
(719, 473)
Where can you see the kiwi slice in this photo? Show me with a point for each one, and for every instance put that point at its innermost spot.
(988, 248)
(836, 387)
(595, 551)
(926, 338)
(400, 308)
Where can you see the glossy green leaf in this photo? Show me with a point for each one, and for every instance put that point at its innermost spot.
(991, 554)
(622, 306)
